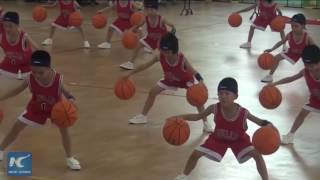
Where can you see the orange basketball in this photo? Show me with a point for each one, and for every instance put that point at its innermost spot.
(137, 18)
(176, 131)
(266, 140)
(124, 89)
(197, 95)
(130, 40)
(266, 61)
(64, 114)
(75, 19)
(270, 97)
(235, 20)
(39, 13)
(99, 21)
(278, 24)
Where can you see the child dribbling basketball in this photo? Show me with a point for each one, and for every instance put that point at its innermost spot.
(47, 89)
(298, 39)
(311, 74)
(178, 73)
(230, 131)
(267, 11)
(62, 21)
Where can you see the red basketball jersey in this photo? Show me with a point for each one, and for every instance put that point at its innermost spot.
(126, 11)
(297, 48)
(268, 12)
(230, 130)
(175, 73)
(313, 86)
(17, 55)
(44, 97)
(157, 31)
(67, 7)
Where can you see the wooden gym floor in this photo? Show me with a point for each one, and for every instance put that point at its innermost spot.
(109, 148)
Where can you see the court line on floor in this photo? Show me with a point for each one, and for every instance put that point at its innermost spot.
(87, 85)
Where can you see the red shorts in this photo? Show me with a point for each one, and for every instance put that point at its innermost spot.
(291, 57)
(262, 23)
(150, 43)
(61, 22)
(169, 85)
(215, 148)
(313, 104)
(121, 24)
(33, 118)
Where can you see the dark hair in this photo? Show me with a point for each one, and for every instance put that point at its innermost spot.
(311, 54)
(228, 84)
(11, 16)
(169, 42)
(40, 58)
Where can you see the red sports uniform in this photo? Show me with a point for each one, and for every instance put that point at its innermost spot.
(122, 23)
(265, 16)
(175, 76)
(155, 33)
(314, 89)
(17, 55)
(66, 8)
(228, 134)
(295, 49)
(43, 99)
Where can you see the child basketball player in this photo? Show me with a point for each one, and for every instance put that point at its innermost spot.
(298, 38)
(267, 11)
(17, 47)
(156, 28)
(46, 87)
(178, 73)
(124, 10)
(1, 24)
(66, 8)
(230, 131)
(311, 74)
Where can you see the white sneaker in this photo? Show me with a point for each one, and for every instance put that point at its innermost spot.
(138, 119)
(128, 65)
(246, 45)
(147, 50)
(47, 42)
(268, 78)
(86, 44)
(207, 127)
(1, 155)
(73, 164)
(181, 177)
(287, 139)
(104, 45)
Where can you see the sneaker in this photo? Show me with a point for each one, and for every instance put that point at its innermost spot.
(47, 42)
(284, 48)
(139, 119)
(128, 65)
(147, 50)
(181, 177)
(287, 139)
(268, 78)
(1, 155)
(246, 45)
(207, 127)
(86, 44)
(104, 45)
(73, 164)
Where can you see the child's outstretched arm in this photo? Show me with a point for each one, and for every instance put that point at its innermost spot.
(105, 9)
(258, 121)
(196, 74)
(167, 23)
(144, 66)
(278, 10)
(288, 79)
(67, 94)
(50, 5)
(278, 44)
(196, 117)
(247, 9)
(33, 44)
(16, 91)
